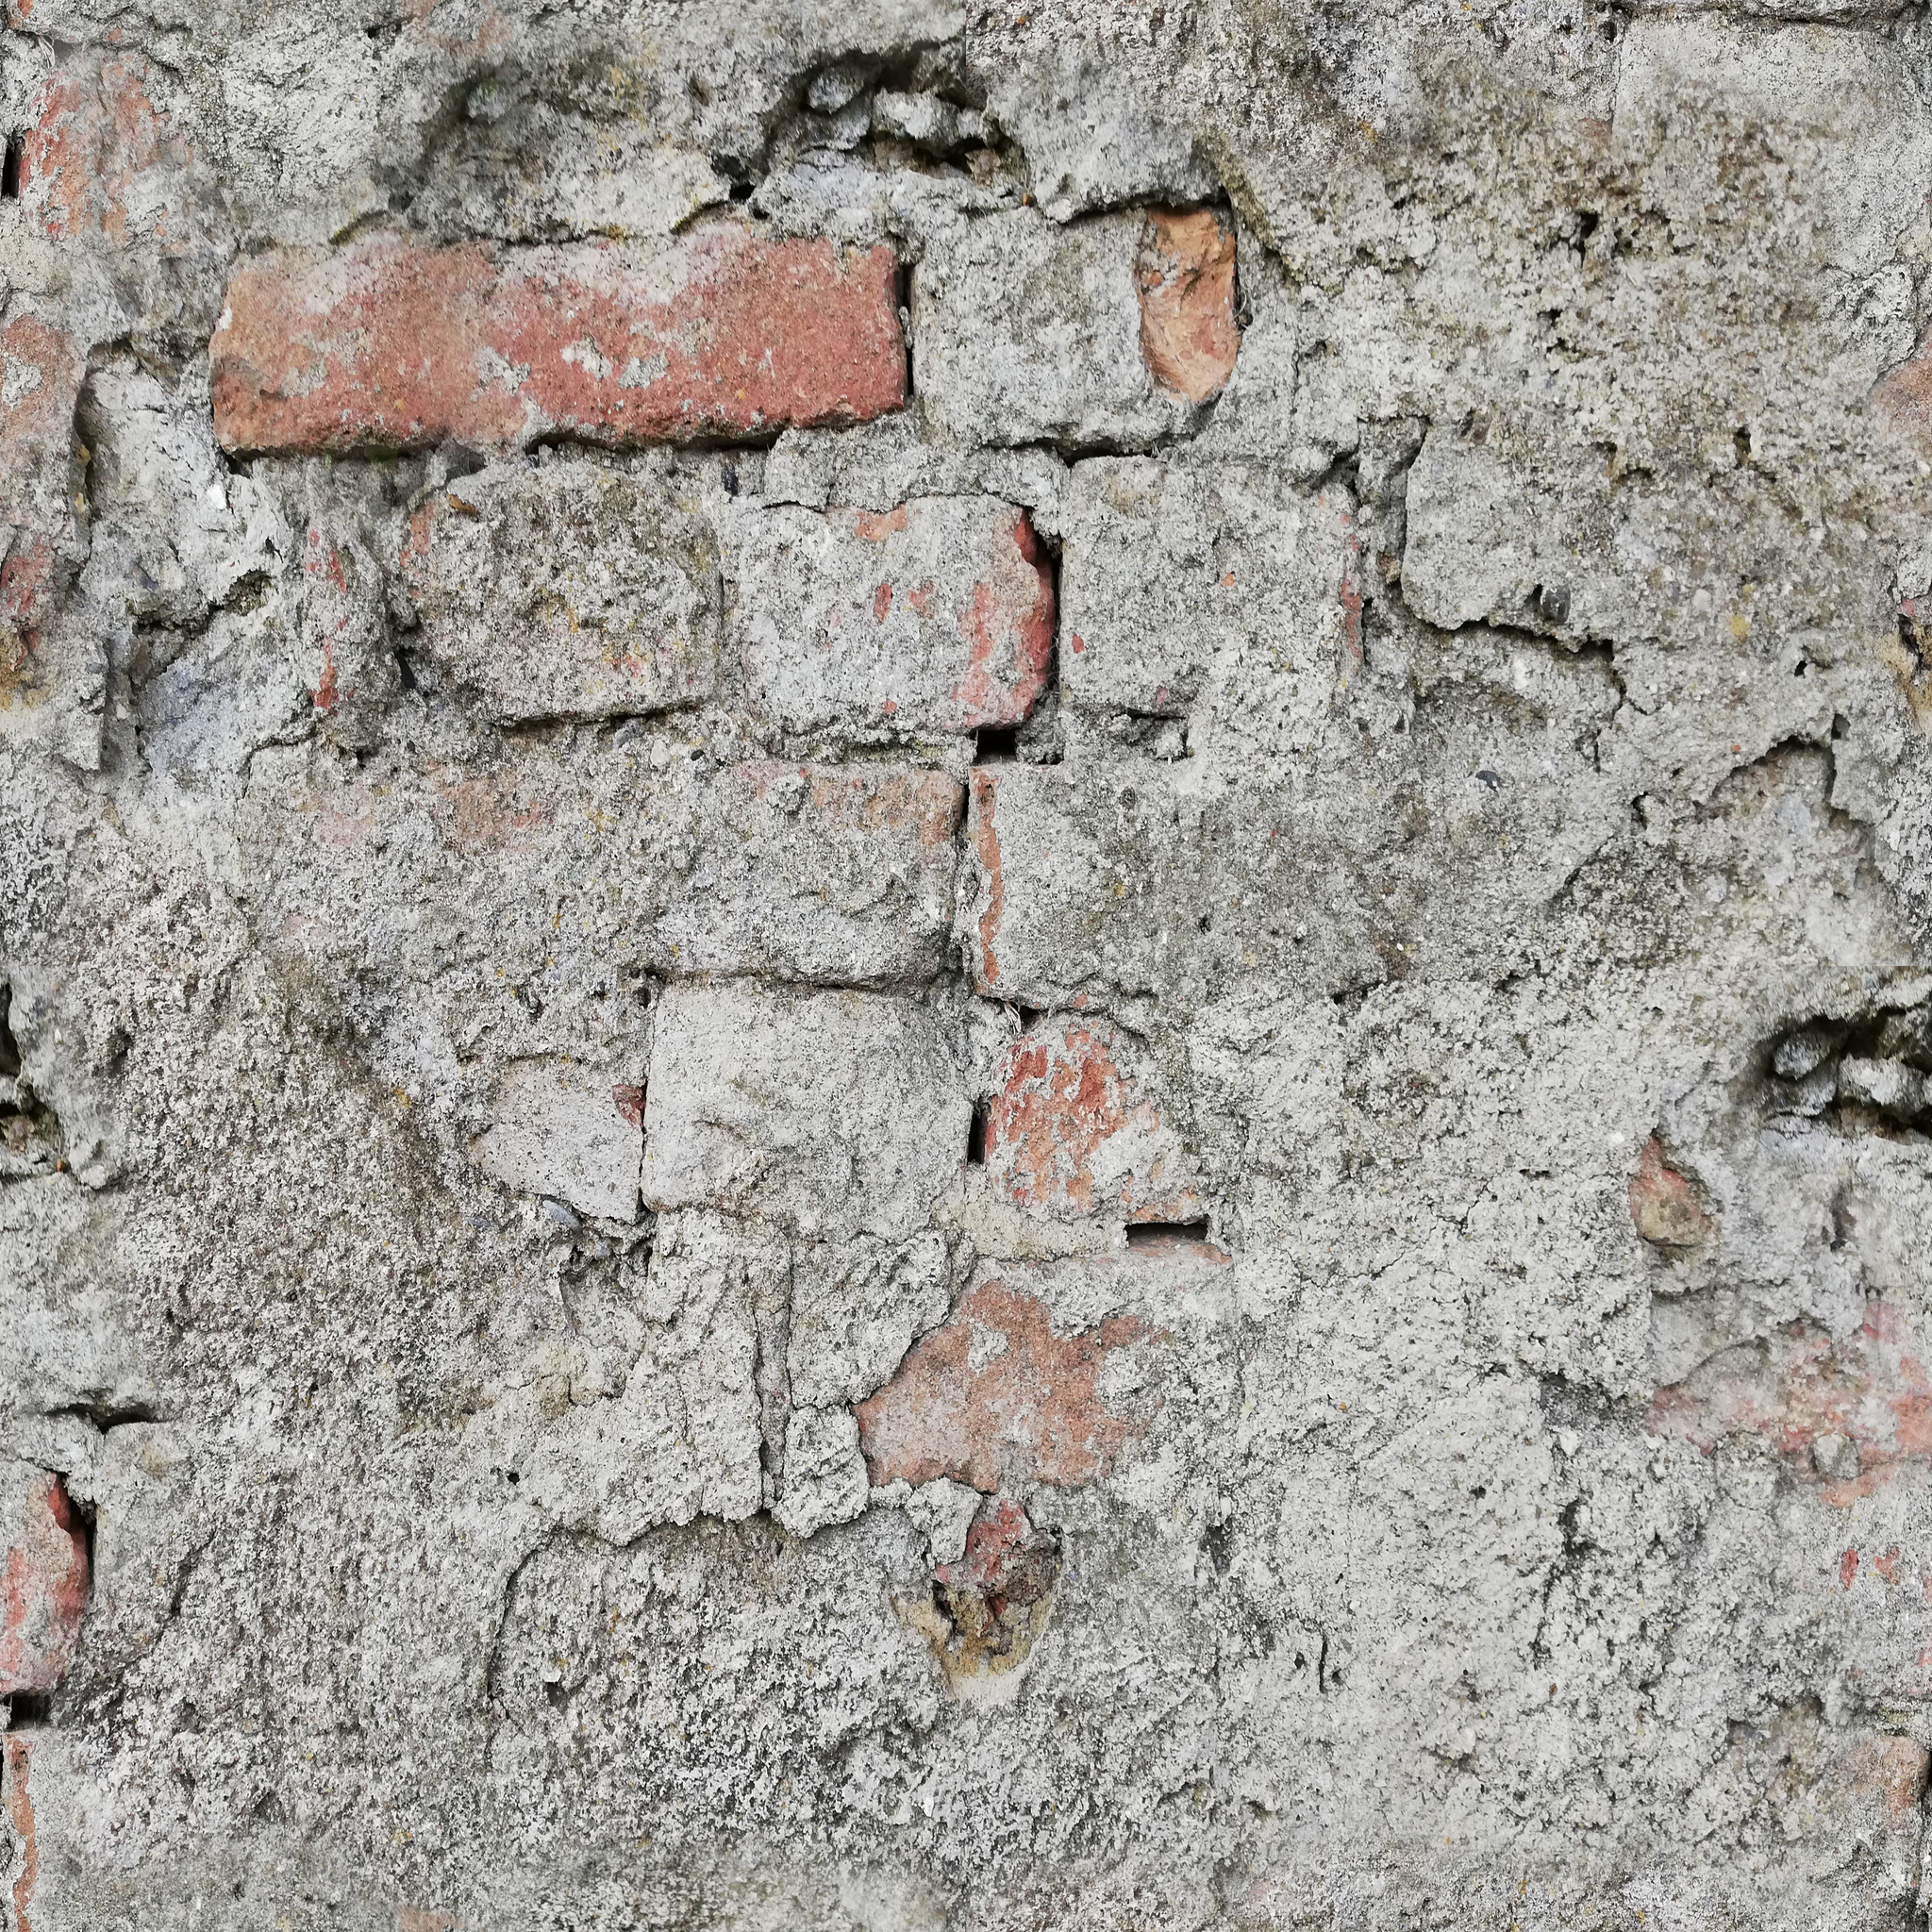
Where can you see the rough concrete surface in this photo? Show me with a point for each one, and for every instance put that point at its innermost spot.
(965, 967)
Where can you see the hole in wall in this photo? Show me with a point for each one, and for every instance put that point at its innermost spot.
(994, 744)
(9, 169)
(975, 1136)
(1162, 1234)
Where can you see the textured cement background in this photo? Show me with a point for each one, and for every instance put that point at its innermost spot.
(965, 967)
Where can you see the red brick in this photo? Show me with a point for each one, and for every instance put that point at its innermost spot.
(1188, 335)
(41, 369)
(1799, 1387)
(102, 163)
(1664, 1205)
(985, 839)
(44, 1586)
(384, 345)
(1069, 1132)
(1031, 1412)
(1885, 1773)
(996, 1539)
(20, 1815)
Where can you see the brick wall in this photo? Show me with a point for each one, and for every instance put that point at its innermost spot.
(963, 968)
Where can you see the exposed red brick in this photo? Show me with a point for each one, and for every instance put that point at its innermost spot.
(1872, 1390)
(41, 369)
(1188, 335)
(986, 847)
(1068, 1132)
(1012, 638)
(1887, 1771)
(1664, 1205)
(1031, 1412)
(100, 162)
(992, 1543)
(384, 345)
(44, 1583)
(20, 1814)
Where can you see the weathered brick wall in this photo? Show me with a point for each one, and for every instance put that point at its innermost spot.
(964, 967)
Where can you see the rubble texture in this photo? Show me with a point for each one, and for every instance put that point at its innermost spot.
(965, 967)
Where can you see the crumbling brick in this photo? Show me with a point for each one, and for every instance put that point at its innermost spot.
(102, 164)
(43, 1588)
(385, 345)
(572, 1132)
(1029, 332)
(998, 1397)
(568, 591)
(1185, 271)
(934, 617)
(1664, 1205)
(1850, 1414)
(1073, 1129)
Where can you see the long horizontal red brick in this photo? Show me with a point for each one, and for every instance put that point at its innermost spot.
(386, 345)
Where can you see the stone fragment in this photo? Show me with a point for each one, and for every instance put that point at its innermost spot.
(566, 591)
(569, 1131)
(44, 1583)
(1028, 332)
(944, 1510)
(998, 1397)
(825, 1114)
(1071, 1128)
(682, 1437)
(386, 345)
(857, 1306)
(1172, 574)
(937, 616)
(1664, 1205)
(825, 1477)
(1185, 271)
(831, 873)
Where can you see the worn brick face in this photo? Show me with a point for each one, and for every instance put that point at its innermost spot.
(998, 1396)
(569, 591)
(749, 1086)
(934, 617)
(385, 345)
(101, 163)
(821, 872)
(1073, 1129)
(43, 1584)
(1851, 1415)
